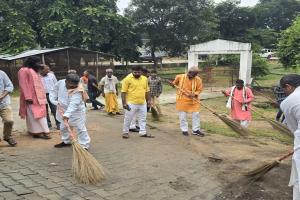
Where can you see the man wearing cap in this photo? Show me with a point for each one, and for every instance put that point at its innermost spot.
(189, 88)
(109, 90)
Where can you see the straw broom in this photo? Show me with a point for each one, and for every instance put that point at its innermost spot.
(235, 126)
(154, 113)
(259, 172)
(276, 125)
(85, 168)
(274, 103)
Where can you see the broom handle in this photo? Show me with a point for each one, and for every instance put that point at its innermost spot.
(66, 122)
(254, 110)
(285, 156)
(270, 99)
(195, 99)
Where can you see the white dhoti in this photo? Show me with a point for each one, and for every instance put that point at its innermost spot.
(245, 123)
(36, 126)
(184, 123)
(139, 111)
(78, 123)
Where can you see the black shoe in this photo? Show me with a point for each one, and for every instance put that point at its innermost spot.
(134, 130)
(198, 133)
(111, 113)
(185, 133)
(101, 107)
(137, 127)
(118, 113)
(11, 142)
(95, 108)
(61, 145)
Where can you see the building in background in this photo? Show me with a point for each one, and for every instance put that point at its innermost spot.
(60, 61)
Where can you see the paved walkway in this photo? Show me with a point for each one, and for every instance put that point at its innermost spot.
(138, 168)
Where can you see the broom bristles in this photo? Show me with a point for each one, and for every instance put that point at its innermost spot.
(233, 125)
(86, 169)
(259, 172)
(280, 127)
(155, 114)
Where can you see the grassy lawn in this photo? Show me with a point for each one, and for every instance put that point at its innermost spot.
(276, 72)
(259, 127)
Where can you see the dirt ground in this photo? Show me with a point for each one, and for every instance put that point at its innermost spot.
(239, 155)
(235, 154)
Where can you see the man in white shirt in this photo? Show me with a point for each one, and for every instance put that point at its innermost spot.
(71, 107)
(109, 90)
(291, 108)
(49, 80)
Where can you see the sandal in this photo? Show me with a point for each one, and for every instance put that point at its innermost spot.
(42, 136)
(125, 136)
(11, 142)
(147, 136)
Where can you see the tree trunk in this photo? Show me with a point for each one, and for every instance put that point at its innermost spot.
(153, 58)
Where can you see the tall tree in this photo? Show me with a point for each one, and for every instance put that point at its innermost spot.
(289, 45)
(92, 24)
(234, 21)
(172, 25)
(276, 14)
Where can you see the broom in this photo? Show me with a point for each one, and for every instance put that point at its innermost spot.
(274, 103)
(276, 125)
(154, 113)
(85, 168)
(259, 172)
(235, 126)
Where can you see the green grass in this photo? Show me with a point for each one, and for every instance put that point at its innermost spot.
(266, 131)
(276, 72)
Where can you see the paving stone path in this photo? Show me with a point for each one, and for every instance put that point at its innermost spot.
(138, 168)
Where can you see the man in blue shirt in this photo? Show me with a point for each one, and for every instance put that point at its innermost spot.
(6, 87)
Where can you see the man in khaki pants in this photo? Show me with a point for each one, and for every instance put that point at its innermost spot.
(6, 87)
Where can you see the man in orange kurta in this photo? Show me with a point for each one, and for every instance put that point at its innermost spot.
(189, 88)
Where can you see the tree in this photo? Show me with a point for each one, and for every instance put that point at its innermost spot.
(289, 45)
(276, 14)
(234, 21)
(91, 24)
(172, 25)
(16, 35)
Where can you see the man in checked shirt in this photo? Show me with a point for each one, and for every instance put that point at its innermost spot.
(155, 86)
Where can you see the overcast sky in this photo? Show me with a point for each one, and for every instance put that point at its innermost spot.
(124, 3)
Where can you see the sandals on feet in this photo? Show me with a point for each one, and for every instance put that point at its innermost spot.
(147, 136)
(42, 136)
(125, 136)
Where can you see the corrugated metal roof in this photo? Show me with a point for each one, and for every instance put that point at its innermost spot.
(35, 52)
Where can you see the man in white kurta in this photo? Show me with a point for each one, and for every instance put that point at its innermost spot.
(291, 109)
(72, 107)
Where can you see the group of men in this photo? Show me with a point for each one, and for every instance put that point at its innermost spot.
(66, 99)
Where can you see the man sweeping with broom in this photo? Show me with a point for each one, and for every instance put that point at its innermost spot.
(238, 102)
(189, 87)
(291, 109)
(70, 102)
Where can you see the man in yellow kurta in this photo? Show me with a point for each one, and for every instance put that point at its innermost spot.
(190, 87)
(109, 90)
(135, 97)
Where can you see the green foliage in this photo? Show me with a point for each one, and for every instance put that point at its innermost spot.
(16, 34)
(173, 25)
(276, 14)
(92, 24)
(260, 66)
(234, 20)
(289, 45)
